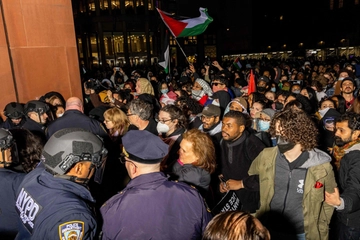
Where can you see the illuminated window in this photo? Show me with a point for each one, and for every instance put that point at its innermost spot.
(172, 41)
(129, 3)
(115, 4)
(92, 5)
(190, 40)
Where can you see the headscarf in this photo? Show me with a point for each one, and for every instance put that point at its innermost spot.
(206, 87)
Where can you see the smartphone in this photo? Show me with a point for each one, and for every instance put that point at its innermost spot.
(117, 68)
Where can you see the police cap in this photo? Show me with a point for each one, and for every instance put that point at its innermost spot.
(144, 147)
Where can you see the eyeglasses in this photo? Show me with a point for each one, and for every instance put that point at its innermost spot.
(123, 160)
(216, 84)
(163, 120)
(130, 114)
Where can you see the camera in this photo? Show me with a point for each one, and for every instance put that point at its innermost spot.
(92, 83)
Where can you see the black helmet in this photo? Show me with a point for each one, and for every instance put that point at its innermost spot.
(69, 146)
(14, 110)
(36, 106)
(7, 141)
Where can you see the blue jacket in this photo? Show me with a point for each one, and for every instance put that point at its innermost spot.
(152, 207)
(76, 119)
(9, 182)
(53, 208)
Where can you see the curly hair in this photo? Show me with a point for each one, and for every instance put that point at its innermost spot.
(29, 148)
(235, 225)
(176, 113)
(203, 148)
(189, 105)
(296, 126)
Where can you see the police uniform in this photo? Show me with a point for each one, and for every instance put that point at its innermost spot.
(53, 208)
(76, 119)
(9, 182)
(36, 128)
(151, 206)
(8, 124)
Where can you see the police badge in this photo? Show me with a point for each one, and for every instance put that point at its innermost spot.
(73, 230)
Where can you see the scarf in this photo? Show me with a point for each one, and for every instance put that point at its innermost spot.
(339, 152)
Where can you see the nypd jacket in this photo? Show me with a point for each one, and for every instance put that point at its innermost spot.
(76, 119)
(152, 207)
(319, 178)
(9, 182)
(53, 208)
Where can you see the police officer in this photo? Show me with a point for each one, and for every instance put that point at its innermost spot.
(14, 113)
(74, 117)
(9, 182)
(36, 117)
(151, 206)
(53, 200)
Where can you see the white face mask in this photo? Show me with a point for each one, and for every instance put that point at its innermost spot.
(60, 115)
(216, 103)
(341, 78)
(162, 128)
(323, 112)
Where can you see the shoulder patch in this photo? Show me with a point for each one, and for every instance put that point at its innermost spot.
(73, 230)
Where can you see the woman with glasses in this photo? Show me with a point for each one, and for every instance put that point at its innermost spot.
(196, 160)
(115, 176)
(172, 123)
(116, 122)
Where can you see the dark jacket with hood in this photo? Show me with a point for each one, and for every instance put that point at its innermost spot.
(349, 175)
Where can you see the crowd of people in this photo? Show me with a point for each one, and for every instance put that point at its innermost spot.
(211, 151)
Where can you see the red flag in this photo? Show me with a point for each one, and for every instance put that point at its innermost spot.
(252, 84)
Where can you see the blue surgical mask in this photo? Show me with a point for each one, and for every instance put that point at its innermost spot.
(263, 125)
(273, 89)
(164, 91)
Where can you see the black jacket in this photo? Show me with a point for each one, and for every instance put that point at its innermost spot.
(349, 175)
(76, 119)
(236, 158)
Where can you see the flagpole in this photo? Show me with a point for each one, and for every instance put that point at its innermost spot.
(181, 50)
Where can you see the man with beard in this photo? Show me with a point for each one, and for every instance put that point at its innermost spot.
(262, 84)
(238, 149)
(347, 91)
(346, 200)
(210, 117)
(293, 177)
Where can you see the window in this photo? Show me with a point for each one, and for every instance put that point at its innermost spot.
(190, 40)
(210, 39)
(172, 41)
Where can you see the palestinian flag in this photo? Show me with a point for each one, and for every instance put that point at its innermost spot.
(186, 27)
(164, 58)
(237, 63)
